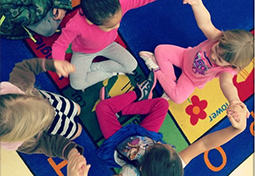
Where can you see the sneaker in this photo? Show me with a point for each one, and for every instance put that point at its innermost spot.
(147, 86)
(104, 94)
(149, 60)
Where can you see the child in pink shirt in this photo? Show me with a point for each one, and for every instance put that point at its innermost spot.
(222, 55)
(92, 32)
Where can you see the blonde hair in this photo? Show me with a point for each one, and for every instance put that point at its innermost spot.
(237, 47)
(22, 117)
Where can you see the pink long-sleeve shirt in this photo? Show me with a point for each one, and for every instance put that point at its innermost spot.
(87, 38)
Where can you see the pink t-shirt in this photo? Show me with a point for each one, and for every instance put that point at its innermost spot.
(88, 38)
(197, 66)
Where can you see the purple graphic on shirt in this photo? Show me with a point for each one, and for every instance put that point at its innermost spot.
(200, 64)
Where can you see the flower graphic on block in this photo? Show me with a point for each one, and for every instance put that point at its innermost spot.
(196, 109)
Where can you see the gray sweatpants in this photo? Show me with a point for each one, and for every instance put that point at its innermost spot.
(87, 73)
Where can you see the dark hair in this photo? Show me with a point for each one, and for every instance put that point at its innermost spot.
(98, 11)
(159, 161)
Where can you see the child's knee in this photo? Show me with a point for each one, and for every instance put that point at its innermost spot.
(78, 133)
(178, 100)
(131, 66)
(100, 107)
(163, 103)
(77, 85)
(78, 108)
(158, 49)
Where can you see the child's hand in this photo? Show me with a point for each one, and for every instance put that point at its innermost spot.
(63, 68)
(59, 14)
(77, 166)
(191, 2)
(237, 116)
(234, 114)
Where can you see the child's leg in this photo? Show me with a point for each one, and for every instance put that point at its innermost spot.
(155, 109)
(107, 109)
(177, 92)
(167, 56)
(47, 26)
(120, 60)
(83, 77)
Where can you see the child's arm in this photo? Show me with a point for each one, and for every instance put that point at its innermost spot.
(52, 146)
(217, 138)
(77, 164)
(68, 34)
(229, 90)
(203, 19)
(23, 74)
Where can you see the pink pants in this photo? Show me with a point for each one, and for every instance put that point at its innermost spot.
(167, 56)
(155, 109)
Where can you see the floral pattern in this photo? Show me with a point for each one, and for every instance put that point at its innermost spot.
(196, 109)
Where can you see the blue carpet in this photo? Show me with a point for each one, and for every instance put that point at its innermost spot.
(161, 22)
(13, 51)
(39, 164)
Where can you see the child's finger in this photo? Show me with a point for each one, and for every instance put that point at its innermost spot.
(54, 11)
(85, 170)
(248, 114)
(232, 121)
(69, 67)
(56, 14)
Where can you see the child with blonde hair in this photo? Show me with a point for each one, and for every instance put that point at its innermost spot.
(36, 121)
(223, 55)
(92, 32)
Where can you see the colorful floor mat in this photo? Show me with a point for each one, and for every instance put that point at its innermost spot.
(167, 24)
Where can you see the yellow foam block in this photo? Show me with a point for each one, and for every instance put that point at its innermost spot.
(207, 103)
(121, 86)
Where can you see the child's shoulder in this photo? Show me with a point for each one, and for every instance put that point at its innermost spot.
(76, 20)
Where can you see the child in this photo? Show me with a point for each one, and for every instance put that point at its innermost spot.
(40, 16)
(222, 55)
(139, 150)
(36, 121)
(92, 32)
